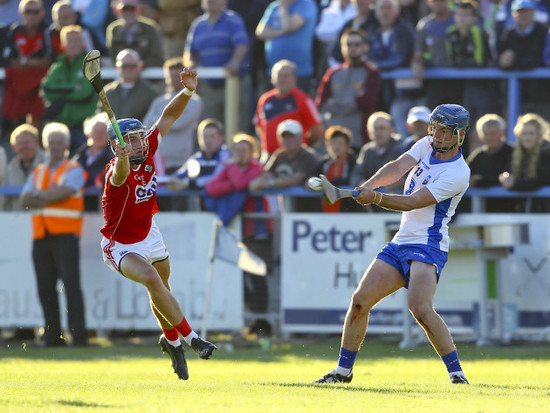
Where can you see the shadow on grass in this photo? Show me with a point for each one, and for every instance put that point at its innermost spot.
(320, 349)
(78, 403)
(342, 387)
(405, 390)
(412, 391)
(509, 388)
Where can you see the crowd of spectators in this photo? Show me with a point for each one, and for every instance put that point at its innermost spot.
(311, 96)
(323, 58)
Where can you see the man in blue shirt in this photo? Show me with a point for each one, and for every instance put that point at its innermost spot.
(288, 29)
(203, 165)
(218, 38)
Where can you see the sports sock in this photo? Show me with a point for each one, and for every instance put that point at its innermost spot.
(183, 328)
(345, 361)
(190, 337)
(172, 337)
(452, 363)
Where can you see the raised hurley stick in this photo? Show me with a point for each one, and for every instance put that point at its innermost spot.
(92, 71)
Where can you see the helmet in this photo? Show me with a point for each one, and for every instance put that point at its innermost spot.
(451, 116)
(134, 134)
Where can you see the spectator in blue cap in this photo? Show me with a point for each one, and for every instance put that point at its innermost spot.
(521, 48)
(523, 4)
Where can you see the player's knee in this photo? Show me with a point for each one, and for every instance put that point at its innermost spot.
(152, 280)
(420, 310)
(359, 301)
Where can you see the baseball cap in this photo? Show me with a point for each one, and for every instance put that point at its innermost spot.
(291, 126)
(418, 113)
(523, 4)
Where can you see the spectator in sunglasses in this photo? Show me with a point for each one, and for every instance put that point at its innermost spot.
(130, 95)
(133, 31)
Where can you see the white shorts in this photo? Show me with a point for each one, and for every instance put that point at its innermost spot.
(152, 248)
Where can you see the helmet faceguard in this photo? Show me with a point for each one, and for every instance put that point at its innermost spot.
(134, 135)
(447, 122)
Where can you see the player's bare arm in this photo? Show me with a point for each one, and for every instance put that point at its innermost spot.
(177, 105)
(390, 172)
(122, 163)
(395, 202)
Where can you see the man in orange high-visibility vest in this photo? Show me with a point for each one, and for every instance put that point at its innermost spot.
(54, 192)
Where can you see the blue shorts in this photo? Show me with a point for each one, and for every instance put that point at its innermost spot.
(400, 257)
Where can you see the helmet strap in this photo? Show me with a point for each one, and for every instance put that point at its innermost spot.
(443, 150)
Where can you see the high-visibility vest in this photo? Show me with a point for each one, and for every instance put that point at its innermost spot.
(64, 217)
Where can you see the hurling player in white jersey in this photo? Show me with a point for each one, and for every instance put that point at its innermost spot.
(437, 178)
(132, 243)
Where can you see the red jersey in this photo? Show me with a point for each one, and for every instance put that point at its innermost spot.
(128, 209)
(272, 109)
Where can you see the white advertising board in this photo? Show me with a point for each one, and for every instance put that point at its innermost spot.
(323, 258)
(112, 301)
(325, 255)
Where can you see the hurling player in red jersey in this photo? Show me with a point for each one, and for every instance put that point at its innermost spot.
(132, 243)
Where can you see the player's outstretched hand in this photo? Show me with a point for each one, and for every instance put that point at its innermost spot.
(189, 78)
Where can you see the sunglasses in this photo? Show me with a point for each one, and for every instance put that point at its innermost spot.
(31, 11)
(129, 8)
(351, 44)
(127, 65)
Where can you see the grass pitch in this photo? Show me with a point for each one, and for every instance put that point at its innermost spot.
(138, 378)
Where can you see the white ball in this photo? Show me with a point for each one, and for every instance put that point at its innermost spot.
(315, 183)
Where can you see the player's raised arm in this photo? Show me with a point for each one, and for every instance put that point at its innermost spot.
(177, 105)
(122, 164)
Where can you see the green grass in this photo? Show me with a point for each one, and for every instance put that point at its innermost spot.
(138, 378)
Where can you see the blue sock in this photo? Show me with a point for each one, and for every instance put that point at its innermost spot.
(451, 362)
(347, 358)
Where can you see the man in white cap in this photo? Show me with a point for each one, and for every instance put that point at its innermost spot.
(290, 165)
(418, 120)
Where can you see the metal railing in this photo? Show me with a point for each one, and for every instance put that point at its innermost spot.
(512, 77)
(478, 195)
(231, 114)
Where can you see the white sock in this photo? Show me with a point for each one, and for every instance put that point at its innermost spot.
(342, 371)
(190, 337)
(173, 343)
(457, 373)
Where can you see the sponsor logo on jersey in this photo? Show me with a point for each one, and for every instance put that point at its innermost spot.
(425, 181)
(141, 178)
(148, 168)
(146, 192)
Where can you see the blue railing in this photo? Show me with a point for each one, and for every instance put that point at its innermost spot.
(477, 195)
(298, 191)
(512, 77)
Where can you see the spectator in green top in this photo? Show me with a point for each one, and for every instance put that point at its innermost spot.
(69, 97)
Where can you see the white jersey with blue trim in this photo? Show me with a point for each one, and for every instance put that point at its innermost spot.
(447, 181)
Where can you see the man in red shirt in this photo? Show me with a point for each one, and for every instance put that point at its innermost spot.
(284, 102)
(349, 92)
(132, 243)
(28, 51)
